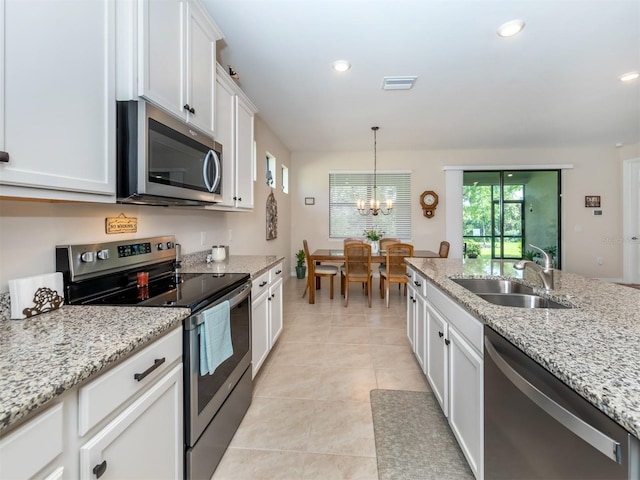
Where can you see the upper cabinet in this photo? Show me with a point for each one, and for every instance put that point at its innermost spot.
(177, 59)
(235, 131)
(57, 102)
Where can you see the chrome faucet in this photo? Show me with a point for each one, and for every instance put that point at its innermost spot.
(545, 272)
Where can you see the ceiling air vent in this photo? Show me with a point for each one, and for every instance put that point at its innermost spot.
(398, 83)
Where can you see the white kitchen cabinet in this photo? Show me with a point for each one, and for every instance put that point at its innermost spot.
(144, 441)
(437, 362)
(177, 59)
(235, 131)
(34, 450)
(57, 102)
(266, 314)
(411, 315)
(416, 318)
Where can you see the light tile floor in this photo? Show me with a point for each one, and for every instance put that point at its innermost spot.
(311, 416)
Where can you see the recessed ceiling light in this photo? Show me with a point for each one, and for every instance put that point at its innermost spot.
(341, 65)
(511, 28)
(629, 77)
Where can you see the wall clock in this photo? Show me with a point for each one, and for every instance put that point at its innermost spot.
(429, 202)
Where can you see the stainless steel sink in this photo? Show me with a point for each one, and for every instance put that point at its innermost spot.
(492, 285)
(520, 300)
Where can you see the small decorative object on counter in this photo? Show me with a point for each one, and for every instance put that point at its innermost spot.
(34, 295)
(374, 237)
(218, 253)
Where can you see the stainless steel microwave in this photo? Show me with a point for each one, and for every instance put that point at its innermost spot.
(164, 161)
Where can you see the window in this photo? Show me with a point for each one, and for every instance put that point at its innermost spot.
(346, 188)
(285, 179)
(270, 170)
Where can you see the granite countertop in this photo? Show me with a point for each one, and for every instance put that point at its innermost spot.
(42, 357)
(592, 348)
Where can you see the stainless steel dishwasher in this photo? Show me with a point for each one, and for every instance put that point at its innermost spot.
(535, 427)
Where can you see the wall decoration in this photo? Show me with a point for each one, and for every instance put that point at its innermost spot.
(272, 217)
(429, 202)
(592, 201)
(121, 224)
(309, 200)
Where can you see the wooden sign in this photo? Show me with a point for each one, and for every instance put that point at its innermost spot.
(121, 224)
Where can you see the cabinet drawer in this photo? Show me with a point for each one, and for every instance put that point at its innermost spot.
(260, 284)
(420, 283)
(102, 396)
(469, 326)
(29, 449)
(275, 273)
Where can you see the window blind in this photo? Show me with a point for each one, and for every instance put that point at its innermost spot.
(346, 188)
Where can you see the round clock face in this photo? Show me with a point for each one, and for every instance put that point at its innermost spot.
(429, 199)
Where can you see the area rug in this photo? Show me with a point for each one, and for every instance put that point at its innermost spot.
(413, 438)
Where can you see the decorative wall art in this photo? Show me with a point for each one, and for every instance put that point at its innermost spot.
(592, 201)
(272, 217)
(309, 200)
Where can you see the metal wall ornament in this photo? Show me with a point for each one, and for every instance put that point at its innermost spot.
(272, 217)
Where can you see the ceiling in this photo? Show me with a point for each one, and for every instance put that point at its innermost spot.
(553, 85)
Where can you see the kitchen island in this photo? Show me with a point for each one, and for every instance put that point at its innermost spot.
(593, 348)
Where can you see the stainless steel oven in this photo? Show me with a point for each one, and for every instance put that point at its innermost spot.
(162, 160)
(107, 274)
(215, 404)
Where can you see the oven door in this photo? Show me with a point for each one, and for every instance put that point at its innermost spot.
(204, 394)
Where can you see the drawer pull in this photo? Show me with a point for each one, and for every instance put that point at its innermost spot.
(447, 342)
(263, 284)
(278, 272)
(99, 469)
(440, 334)
(156, 363)
(4, 156)
(418, 284)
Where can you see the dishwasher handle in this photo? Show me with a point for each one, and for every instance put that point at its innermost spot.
(598, 440)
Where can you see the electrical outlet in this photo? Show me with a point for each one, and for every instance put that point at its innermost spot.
(203, 238)
(230, 236)
(600, 261)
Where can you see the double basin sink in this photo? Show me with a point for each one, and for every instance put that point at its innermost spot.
(506, 293)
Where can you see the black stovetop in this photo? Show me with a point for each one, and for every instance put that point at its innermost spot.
(186, 290)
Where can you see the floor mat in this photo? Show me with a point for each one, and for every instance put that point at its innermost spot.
(413, 438)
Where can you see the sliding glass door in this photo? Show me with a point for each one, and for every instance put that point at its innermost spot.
(506, 211)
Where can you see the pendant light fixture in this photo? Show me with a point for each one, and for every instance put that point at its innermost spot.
(374, 205)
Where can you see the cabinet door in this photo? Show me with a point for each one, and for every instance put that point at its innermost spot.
(275, 312)
(244, 154)
(225, 126)
(437, 361)
(421, 332)
(160, 71)
(57, 102)
(201, 68)
(145, 441)
(411, 315)
(466, 398)
(260, 342)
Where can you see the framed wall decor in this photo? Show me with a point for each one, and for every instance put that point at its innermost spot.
(309, 200)
(272, 217)
(592, 201)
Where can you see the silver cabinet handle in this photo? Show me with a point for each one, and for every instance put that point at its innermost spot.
(218, 174)
(586, 432)
(205, 173)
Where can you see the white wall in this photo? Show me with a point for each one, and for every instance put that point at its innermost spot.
(30, 230)
(596, 172)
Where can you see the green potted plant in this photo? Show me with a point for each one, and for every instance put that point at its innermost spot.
(473, 249)
(374, 237)
(301, 269)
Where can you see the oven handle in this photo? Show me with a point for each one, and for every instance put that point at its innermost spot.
(235, 297)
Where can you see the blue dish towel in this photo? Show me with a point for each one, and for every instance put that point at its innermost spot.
(215, 338)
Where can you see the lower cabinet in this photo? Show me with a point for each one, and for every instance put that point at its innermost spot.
(126, 423)
(144, 441)
(452, 362)
(266, 315)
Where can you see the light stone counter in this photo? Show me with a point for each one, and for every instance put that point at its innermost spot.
(254, 265)
(593, 348)
(42, 357)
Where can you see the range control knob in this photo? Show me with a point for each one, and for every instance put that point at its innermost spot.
(103, 254)
(87, 257)
(162, 246)
(170, 245)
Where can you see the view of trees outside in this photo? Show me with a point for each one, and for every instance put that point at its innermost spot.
(481, 213)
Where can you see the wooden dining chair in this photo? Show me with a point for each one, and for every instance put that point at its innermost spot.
(387, 241)
(444, 249)
(396, 268)
(357, 268)
(318, 271)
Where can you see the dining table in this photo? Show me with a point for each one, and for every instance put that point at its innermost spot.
(337, 256)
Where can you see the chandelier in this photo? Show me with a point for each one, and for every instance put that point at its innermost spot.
(374, 205)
